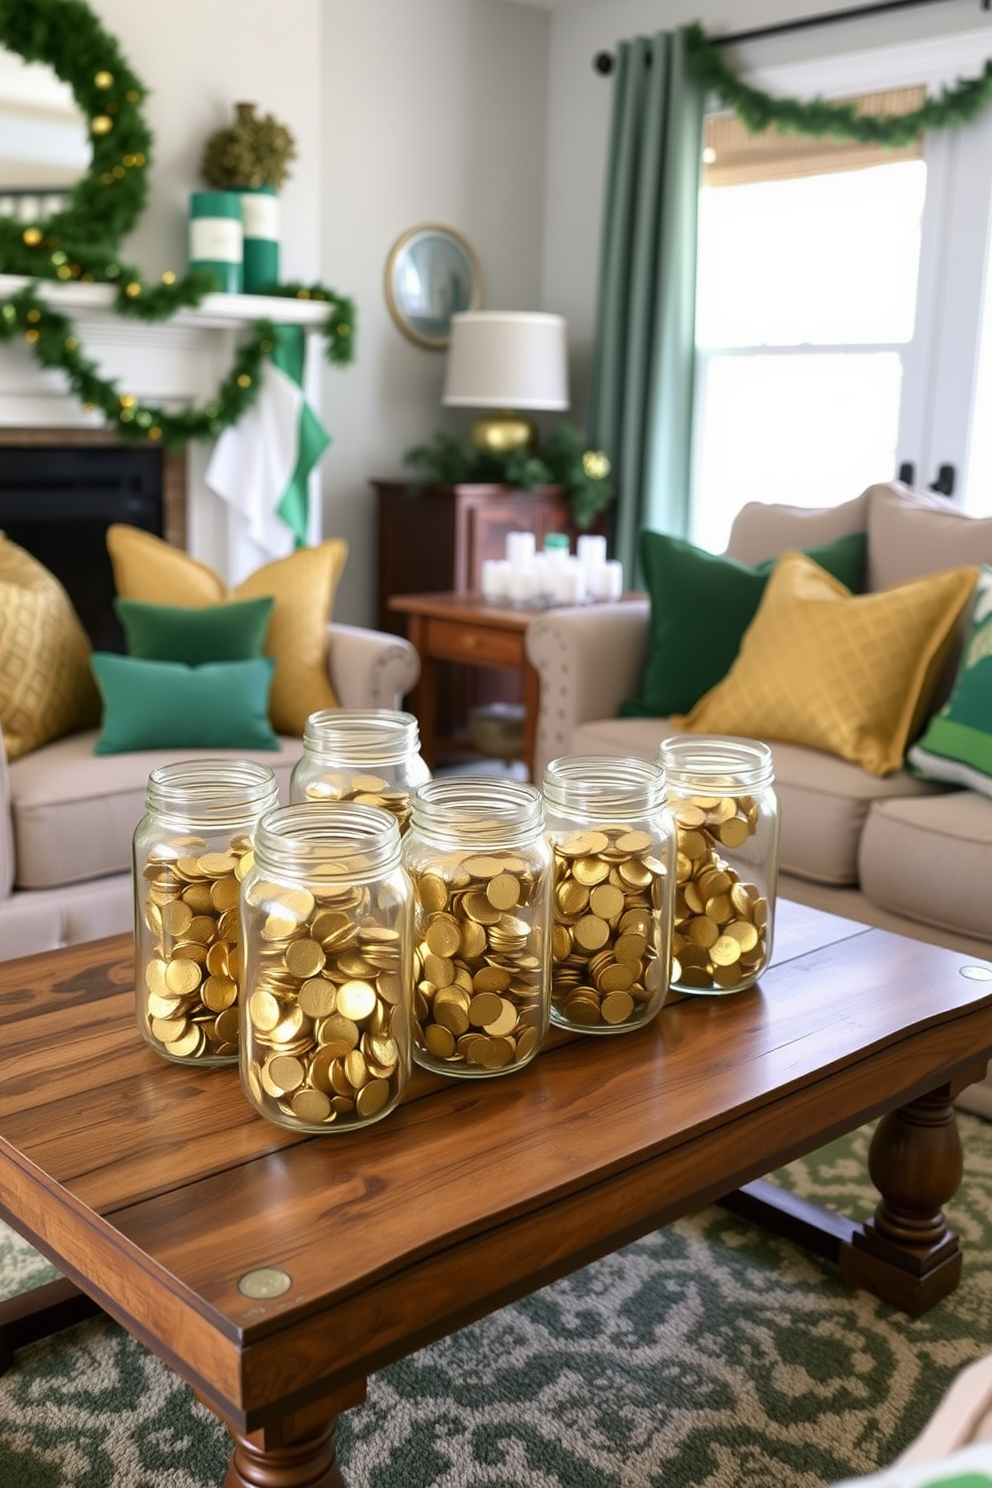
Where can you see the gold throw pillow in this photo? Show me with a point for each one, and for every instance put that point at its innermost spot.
(46, 687)
(851, 674)
(302, 586)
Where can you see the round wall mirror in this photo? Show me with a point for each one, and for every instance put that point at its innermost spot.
(432, 273)
(44, 140)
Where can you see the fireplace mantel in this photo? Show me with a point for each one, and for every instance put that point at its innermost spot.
(219, 312)
(174, 363)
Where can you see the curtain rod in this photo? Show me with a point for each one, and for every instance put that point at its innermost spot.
(603, 62)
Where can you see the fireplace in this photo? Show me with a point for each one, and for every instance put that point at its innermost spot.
(59, 496)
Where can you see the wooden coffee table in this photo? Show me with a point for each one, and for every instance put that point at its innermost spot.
(276, 1272)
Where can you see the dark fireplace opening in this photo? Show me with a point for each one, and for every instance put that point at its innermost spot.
(58, 501)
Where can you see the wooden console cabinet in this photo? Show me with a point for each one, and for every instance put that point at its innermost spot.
(436, 538)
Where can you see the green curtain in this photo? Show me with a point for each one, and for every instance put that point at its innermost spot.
(642, 375)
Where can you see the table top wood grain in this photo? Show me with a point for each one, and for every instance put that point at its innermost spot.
(156, 1188)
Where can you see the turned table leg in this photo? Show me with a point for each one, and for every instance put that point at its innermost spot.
(296, 1451)
(906, 1254)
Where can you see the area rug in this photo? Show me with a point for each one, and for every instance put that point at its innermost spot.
(709, 1354)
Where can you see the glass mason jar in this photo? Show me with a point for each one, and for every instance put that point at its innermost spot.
(191, 850)
(613, 848)
(328, 953)
(371, 756)
(481, 870)
(727, 824)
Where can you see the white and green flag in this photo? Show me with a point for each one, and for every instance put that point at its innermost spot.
(261, 465)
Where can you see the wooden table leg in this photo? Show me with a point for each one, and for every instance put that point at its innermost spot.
(906, 1254)
(296, 1451)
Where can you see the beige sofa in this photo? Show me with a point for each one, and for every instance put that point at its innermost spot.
(67, 816)
(896, 852)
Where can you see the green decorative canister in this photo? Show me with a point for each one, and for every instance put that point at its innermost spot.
(260, 217)
(216, 237)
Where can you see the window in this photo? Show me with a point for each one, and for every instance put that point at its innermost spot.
(808, 265)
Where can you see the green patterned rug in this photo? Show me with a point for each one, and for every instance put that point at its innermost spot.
(709, 1354)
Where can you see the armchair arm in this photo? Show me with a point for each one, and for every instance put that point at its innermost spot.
(370, 668)
(588, 661)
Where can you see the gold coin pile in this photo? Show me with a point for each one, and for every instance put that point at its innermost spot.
(191, 976)
(325, 1033)
(608, 894)
(479, 965)
(368, 790)
(719, 937)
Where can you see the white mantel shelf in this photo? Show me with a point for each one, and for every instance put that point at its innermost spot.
(221, 312)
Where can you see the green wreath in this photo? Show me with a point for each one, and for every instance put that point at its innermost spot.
(80, 241)
(948, 109)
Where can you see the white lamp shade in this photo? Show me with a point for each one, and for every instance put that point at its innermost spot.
(502, 359)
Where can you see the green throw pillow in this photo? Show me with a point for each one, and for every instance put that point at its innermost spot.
(701, 605)
(228, 632)
(957, 742)
(167, 705)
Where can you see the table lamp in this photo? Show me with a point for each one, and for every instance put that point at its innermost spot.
(506, 361)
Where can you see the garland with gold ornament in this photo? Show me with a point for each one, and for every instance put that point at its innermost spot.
(948, 109)
(79, 242)
(562, 459)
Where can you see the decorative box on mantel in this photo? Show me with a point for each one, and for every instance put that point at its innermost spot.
(174, 363)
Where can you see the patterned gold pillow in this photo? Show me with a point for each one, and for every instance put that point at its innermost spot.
(46, 687)
(850, 674)
(302, 586)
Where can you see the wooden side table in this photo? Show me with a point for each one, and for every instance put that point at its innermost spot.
(467, 628)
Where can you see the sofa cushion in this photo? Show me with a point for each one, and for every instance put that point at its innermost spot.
(74, 813)
(46, 688)
(228, 632)
(762, 530)
(852, 675)
(713, 599)
(957, 742)
(914, 532)
(823, 800)
(168, 705)
(302, 585)
(929, 859)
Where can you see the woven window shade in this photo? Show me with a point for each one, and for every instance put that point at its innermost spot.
(739, 156)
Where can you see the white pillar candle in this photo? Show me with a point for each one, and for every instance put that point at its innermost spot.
(570, 582)
(520, 547)
(606, 581)
(591, 550)
(495, 572)
(520, 585)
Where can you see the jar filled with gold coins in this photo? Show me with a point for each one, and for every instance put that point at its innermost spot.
(481, 870)
(613, 848)
(328, 955)
(721, 794)
(192, 848)
(369, 755)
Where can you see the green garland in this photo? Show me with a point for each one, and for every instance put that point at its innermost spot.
(949, 109)
(562, 460)
(80, 241)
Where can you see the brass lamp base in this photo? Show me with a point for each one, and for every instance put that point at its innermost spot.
(502, 433)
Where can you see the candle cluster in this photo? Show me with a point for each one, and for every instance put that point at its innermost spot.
(553, 576)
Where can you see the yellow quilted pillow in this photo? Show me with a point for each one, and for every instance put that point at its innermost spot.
(46, 687)
(851, 674)
(302, 586)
